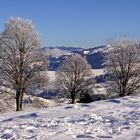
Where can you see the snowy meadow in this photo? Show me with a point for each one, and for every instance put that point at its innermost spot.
(117, 119)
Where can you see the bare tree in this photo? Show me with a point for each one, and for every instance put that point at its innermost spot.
(22, 64)
(123, 66)
(75, 77)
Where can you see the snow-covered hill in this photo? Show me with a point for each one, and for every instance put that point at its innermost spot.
(52, 90)
(94, 56)
(8, 101)
(117, 119)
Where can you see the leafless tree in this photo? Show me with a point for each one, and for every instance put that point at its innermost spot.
(74, 77)
(22, 64)
(123, 66)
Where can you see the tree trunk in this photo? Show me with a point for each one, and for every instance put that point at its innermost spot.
(18, 101)
(73, 100)
(72, 97)
(123, 91)
(19, 98)
(121, 94)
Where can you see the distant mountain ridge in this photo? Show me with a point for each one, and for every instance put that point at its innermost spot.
(62, 48)
(94, 56)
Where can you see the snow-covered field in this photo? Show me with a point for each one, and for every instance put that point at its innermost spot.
(96, 72)
(117, 119)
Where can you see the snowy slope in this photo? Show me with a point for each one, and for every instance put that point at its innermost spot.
(96, 72)
(94, 56)
(117, 119)
(8, 101)
(52, 76)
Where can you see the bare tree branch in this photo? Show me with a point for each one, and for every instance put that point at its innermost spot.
(21, 62)
(123, 66)
(73, 77)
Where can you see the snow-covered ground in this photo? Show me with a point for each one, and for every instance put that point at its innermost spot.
(52, 76)
(117, 119)
(96, 72)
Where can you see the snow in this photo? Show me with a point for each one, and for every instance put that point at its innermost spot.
(86, 52)
(117, 119)
(55, 52)
(98, 72)
(52, 76)
(8, 102)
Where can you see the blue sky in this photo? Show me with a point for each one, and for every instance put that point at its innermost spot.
(77, 23)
